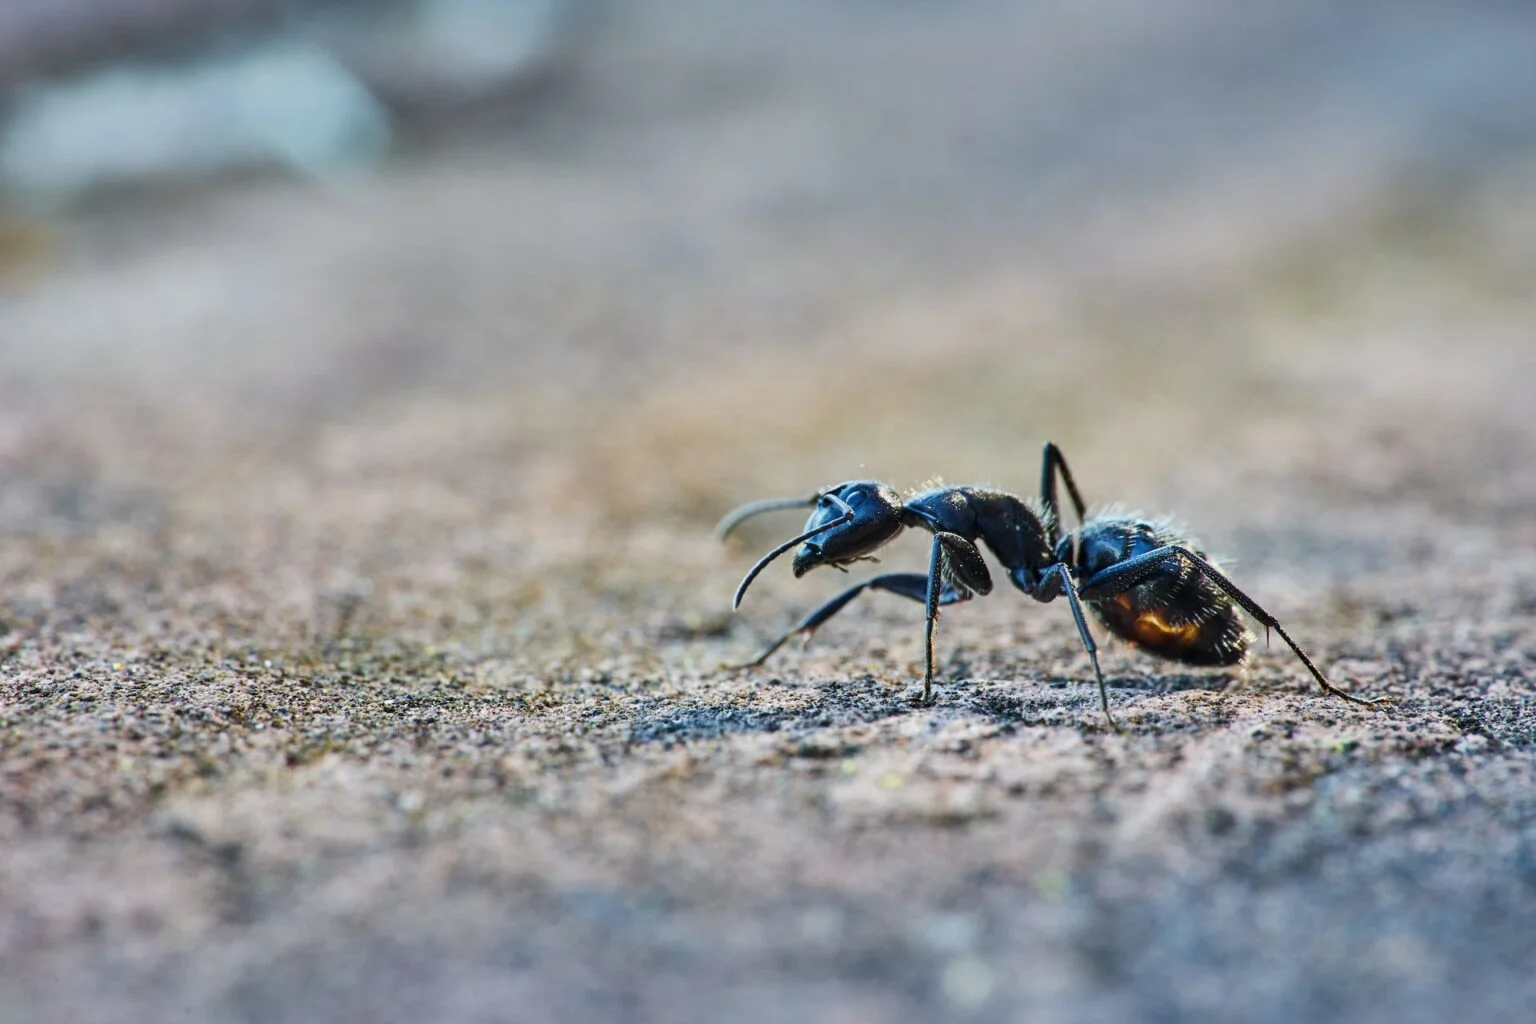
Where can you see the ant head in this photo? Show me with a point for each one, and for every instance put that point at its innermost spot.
(847, 523)
(850, 521)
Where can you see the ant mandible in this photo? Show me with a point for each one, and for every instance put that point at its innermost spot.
(1144, 580)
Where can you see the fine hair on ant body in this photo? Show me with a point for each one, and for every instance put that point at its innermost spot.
(1144, 581)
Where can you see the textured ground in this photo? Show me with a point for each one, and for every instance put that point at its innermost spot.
(360, 624)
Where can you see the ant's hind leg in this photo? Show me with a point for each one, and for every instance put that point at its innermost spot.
(1123, 576)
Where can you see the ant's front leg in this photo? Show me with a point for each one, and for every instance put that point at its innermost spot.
(957, 562)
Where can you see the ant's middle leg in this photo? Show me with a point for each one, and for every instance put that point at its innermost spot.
(912, 585)
(1058, 580)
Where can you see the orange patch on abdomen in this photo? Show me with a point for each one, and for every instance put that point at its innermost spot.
(1151, 630)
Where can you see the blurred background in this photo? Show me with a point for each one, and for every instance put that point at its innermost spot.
(451, 326)
(638, 262)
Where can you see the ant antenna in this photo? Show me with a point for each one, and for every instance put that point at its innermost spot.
(737, 516)
(762, 563)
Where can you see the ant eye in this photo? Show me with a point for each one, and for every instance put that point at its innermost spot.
(856, 499)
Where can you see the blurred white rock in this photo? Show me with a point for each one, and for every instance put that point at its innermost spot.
(285, 103)
(313, 94)
(436, 53)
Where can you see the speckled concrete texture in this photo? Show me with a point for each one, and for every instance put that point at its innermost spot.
(361, 630)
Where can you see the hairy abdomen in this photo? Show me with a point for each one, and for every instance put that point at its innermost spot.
(1193, 628)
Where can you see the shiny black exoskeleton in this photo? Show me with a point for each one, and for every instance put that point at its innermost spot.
(1143, 580)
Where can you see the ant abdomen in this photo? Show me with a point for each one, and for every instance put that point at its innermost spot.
(1176, 612)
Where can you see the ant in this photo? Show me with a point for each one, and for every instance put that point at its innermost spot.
(1144, 580)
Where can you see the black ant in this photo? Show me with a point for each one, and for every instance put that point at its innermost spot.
(1144, 580)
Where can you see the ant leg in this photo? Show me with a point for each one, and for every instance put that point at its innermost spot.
(912, 585)
(953, 561)
(1064, 584)
(1051, 463)
(1122, 577)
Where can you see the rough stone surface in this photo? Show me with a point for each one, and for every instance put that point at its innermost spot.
(361, 630)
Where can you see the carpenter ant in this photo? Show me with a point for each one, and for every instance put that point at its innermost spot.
(1145, 581)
